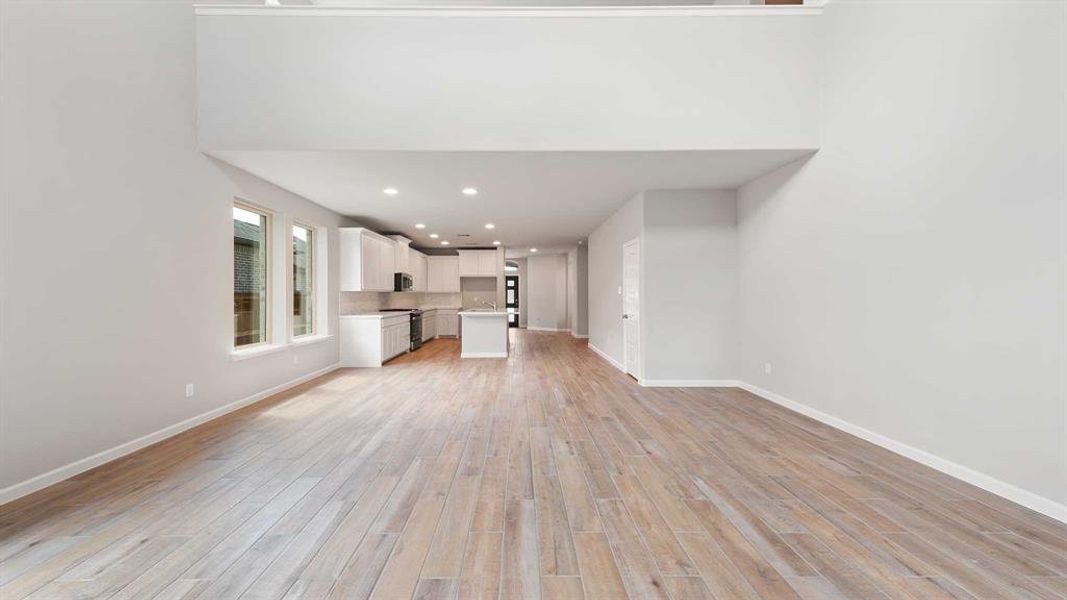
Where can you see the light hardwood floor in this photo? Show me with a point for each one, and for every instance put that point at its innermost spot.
(549, 475)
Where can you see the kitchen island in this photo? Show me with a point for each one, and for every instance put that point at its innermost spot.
(483, 334)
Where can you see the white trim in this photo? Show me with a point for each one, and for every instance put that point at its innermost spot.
(483, 355)
(257, 350)
(607, 357)
(1045, 506)
(77, 467)
(580, 336)
(340, 9)
(306, 340)
(547, 329)
(707, 383)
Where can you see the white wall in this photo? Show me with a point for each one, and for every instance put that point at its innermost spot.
(689, 282)
(523, 278)
(505, 83)
(582, 275)
(117, 238)
(910, 278)
(546, 292)
(572, 291)
(605, 276)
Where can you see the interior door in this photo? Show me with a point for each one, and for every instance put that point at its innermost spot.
(511, 299)
(631, 307)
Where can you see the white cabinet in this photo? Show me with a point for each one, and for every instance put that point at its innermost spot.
(370, 340)
(443, 273)
(477, 263)
(468, 263)
(447, 322)
(367, 261)
(396, 338)
(429, 324)
(402, 254)
(417, 263)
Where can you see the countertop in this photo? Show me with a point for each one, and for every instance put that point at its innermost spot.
(483, 313)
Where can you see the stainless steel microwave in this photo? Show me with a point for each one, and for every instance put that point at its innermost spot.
(402, 282)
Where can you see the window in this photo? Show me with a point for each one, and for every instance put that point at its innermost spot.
(303, 281)
(250, 269)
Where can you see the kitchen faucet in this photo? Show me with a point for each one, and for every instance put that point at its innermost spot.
(490, 304)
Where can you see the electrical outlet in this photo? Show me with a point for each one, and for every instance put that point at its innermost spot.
(767, 368)
(620, 290)
(190, 389)
(296, 359)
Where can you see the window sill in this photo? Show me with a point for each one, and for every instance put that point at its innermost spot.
(310, 339)
(246, 353)
(307, 340)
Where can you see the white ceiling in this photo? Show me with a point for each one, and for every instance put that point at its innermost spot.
(550, 200)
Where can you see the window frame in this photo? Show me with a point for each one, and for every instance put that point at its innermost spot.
(268, 280)
(312, 274)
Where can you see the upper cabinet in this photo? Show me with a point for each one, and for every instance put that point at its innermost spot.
(477, 263)
(368, 261)
(417, 264)
(442, 273)
(402, 252)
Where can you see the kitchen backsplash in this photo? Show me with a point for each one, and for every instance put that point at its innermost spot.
(360, 302)
(477, 291)
(420, 300)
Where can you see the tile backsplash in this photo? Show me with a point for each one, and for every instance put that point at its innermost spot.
(359, 302)
(476, 291)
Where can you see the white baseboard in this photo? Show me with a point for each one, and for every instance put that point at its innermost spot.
(546, 329)
(483, 355)
(689, 383)
(44, 480)
(1045, 506)
(581, 336)
(605, 356)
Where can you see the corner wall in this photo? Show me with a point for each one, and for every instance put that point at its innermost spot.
(910, 278)
(605, 277)
(688, 286)
(116, 238)
(689, 273)
(546, 292)
(582, 314)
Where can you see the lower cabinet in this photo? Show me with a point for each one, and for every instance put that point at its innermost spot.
(396, 339)
(429, 324)
(370, 340)
(448, 322)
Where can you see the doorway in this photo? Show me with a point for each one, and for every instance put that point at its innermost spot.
(511, 299)
(631, 307)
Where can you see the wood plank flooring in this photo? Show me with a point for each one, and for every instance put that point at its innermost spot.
(548, 475)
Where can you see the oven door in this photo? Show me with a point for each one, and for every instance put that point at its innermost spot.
(416, 332)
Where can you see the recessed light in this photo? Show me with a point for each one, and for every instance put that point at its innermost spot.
(533, 249)
(390, 191)
(490, 226)
(423, 226)
(434, 236)
(469, 191)
(444, 242)
(496, 242)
